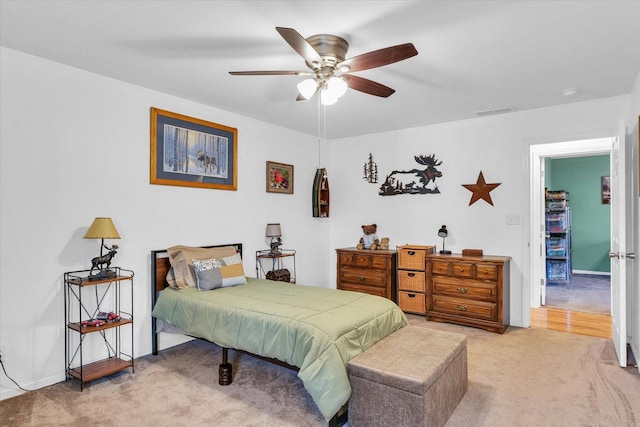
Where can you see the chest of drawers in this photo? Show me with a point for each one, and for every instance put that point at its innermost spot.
(412, 285)
(471, 291)
(371, 272)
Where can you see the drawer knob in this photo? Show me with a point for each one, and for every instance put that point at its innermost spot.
(460, 307)
(462, 290)
(361, 278)
(462, 270)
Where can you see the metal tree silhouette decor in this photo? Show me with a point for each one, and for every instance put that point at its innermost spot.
(426, 179)
(370, 171)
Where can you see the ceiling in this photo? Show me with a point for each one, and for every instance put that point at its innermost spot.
(474, 56)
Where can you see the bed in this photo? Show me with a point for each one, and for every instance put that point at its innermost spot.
(316, 330)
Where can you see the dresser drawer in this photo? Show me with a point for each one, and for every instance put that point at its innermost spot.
(411, 280)
(468, 289)
(462, 269)
(411, 301)
(440, 267)
(364, 261)
(487, 271)
(412, 257)
(371, 290)
(464, 307)
(363, 276)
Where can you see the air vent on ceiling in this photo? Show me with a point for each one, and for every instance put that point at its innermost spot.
(493, 111)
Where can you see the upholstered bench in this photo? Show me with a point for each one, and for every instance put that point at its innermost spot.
(414, 377)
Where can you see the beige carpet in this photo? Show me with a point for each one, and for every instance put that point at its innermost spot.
(526, 377)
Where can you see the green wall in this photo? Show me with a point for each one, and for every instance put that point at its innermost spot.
(591, 220)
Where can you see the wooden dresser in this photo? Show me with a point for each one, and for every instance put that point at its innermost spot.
(371, 272)
(468, 290)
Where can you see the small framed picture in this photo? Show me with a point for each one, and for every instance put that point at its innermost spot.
(279, 178)
(606, 190)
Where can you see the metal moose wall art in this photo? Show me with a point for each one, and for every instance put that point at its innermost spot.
(414, 181)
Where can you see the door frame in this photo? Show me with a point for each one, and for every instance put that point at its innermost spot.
(537, 154)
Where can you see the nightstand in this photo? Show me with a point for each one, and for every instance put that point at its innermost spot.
(279, 266)
(84, 300)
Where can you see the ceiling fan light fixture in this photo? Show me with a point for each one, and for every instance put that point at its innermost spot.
(325, 55)
(337, 86)
(327, 98)
(307, 88)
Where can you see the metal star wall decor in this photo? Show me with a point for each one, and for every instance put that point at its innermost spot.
(481, 190)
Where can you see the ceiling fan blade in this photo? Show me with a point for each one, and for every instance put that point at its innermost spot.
(368, 86)
(380, 57)
(300, 45)
(270, 73)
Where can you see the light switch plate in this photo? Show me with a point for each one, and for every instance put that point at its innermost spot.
(513, 219)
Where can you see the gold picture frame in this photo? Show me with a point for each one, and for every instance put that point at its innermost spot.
(279, 178)
(190, 152)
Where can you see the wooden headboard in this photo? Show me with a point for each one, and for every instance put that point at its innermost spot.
(160, 266)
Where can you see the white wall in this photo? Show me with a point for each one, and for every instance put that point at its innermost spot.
(75, 145)
(498, 146)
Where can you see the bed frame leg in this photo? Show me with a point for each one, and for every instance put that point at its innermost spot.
(225, 370)
(341, 417)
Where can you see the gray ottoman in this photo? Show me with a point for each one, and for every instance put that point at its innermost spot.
(414, 377)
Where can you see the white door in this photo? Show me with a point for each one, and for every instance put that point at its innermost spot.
(543, 237)
(619, 194)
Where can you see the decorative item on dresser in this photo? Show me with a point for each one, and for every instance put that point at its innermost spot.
(468, 290)
(411, 278)
(443, 232)
(371, 272)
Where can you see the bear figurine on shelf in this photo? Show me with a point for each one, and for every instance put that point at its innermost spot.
(370, 239)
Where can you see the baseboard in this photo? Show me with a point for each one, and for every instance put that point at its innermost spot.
(12, 390)
(593, 273)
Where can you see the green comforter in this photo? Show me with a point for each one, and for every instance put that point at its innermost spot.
(316, 329)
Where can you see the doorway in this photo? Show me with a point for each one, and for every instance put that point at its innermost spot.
(578, 266)
(538, 155)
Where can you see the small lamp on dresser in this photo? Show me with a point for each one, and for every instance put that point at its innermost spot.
(443, 233)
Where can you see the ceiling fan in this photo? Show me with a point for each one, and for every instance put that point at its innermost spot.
(325, 55)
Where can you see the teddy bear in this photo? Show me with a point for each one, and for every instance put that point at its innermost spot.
(370, 239)
(384, 244)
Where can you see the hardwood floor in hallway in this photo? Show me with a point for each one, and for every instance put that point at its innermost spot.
(574, 322)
